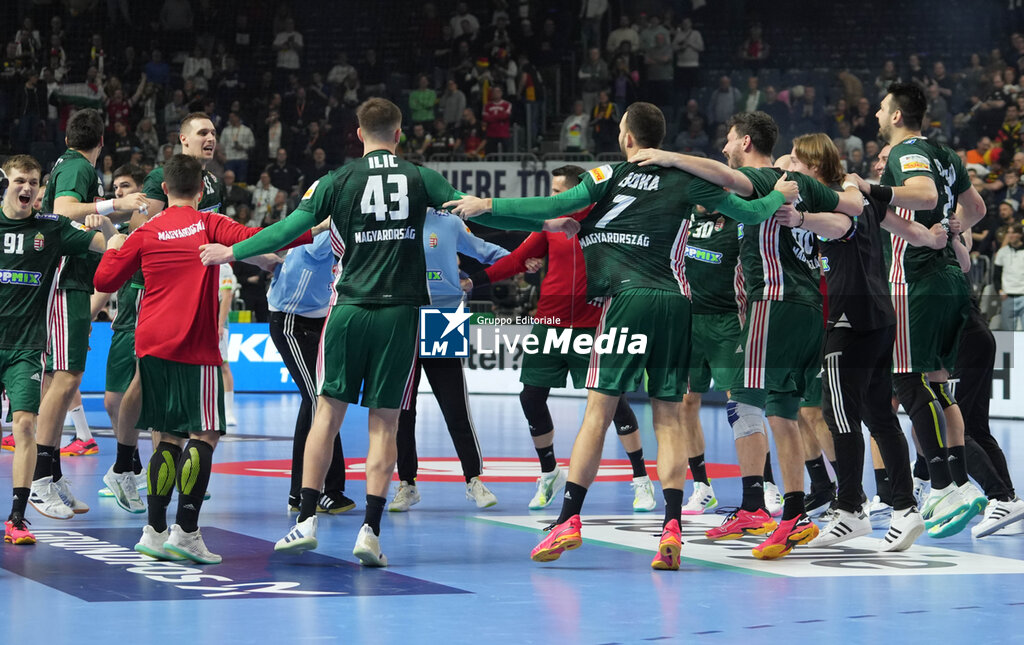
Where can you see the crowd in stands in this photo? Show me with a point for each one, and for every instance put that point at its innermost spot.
(480, 78)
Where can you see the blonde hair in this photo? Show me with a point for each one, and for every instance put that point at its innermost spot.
(818, 150)
(24, 163)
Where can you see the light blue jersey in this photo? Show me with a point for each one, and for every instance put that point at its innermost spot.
(304, 284)
(444, 236)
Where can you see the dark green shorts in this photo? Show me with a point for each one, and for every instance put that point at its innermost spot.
(121, 361)
(21, 378)
(369, 348)
(550, 369)
(715, 352)
(930, 313)
(812, 393)
(782, 356)
(180, 398)
(663, 318)
(69, 325)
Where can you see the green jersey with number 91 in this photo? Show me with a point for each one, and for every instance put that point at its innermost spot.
(377, 205)
(919, 157)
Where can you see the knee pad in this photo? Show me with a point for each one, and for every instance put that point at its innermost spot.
(534, 401)
(913, 392)
(625, 419)
(944, 394)
(744, 419)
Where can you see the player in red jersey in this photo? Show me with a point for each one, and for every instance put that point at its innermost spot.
(177, 346)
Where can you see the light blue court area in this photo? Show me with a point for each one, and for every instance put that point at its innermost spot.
(462, 575)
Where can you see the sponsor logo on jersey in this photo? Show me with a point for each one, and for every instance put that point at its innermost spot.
(38, 242)
(21, 278)
(433, 240)
(78, 226)
(444, 332)
(824, 264)
(601, 174)
(309, 191)
(211, 209)
(49, 216)
(914, 163)
(701, 255)
(435, 276)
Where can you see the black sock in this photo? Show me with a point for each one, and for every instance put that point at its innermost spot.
(769, 476)
(792, 505)
(882, 486)
(753, 493)
(636, 459)
(921, 468)
(547, 458)
(307, 503)
(161, 476)
(374, 511)
(698, 469)
(818, 474)
(930, 425)
(194, 472)
(55, 470)
(44, 461)
(958, 464)
(673, 505)
(136, 462)
(572, 501)
(19, 503)
(125, 458)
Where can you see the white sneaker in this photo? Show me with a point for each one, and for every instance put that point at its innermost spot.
(230, 419)
(950, 514)
(152, 544)
(367, 548)
(772, 499)
(1016, 528)
(907, 525)
(977, 499)
(190, 545)
(406, 497)
(45, 498)
(879, 513)
(301, 538)
(997, 516)
(477, 492)
(643, 494)
(141, 480)
(842, 525)
(701, 500)
(77, 506)
(125, 490)
(922, 487)
(548, 485)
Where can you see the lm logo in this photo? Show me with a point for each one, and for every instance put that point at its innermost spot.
(444, 333)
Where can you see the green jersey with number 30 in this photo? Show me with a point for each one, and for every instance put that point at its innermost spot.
(713, 263)
(74, 176)
(919, 157)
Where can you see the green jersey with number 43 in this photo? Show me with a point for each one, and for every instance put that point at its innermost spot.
(74, 176)
(781, 263)
(30, 252)
(713, 266)
(919, 157)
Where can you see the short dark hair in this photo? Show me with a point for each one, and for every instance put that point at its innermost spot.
(909, 99)
(137, 174)
(183, 175)
(646, 122)
(379, 117)
(570, 172)
(85, 129)
(759, 126)
(193, 116)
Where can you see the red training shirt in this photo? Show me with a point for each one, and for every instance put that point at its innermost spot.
(178, 315)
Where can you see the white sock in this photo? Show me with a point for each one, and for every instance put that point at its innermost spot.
(229, 404)
(81, 424)
(4, 406)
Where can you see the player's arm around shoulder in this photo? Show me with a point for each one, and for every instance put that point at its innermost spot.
(709, 170)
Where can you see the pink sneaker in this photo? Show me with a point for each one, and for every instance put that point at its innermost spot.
(671, 543)
(8, 443)
(562, 537)
(16, 532)
(79, 448)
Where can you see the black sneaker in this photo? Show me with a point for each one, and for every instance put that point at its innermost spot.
(818, 501)
(333, 503)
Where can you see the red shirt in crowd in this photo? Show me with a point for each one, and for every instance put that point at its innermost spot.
(563, 293)
(178, 315)
(498, 118)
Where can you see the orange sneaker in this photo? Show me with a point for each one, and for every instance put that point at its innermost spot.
(561, 537)
(671, 543)
(799, 530)
(742, 523)
(79, 448)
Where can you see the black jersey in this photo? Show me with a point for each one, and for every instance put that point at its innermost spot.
(858, 289)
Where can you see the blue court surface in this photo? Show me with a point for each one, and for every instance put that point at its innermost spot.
(463, 575)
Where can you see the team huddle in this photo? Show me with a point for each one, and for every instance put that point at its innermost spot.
(720, 267)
